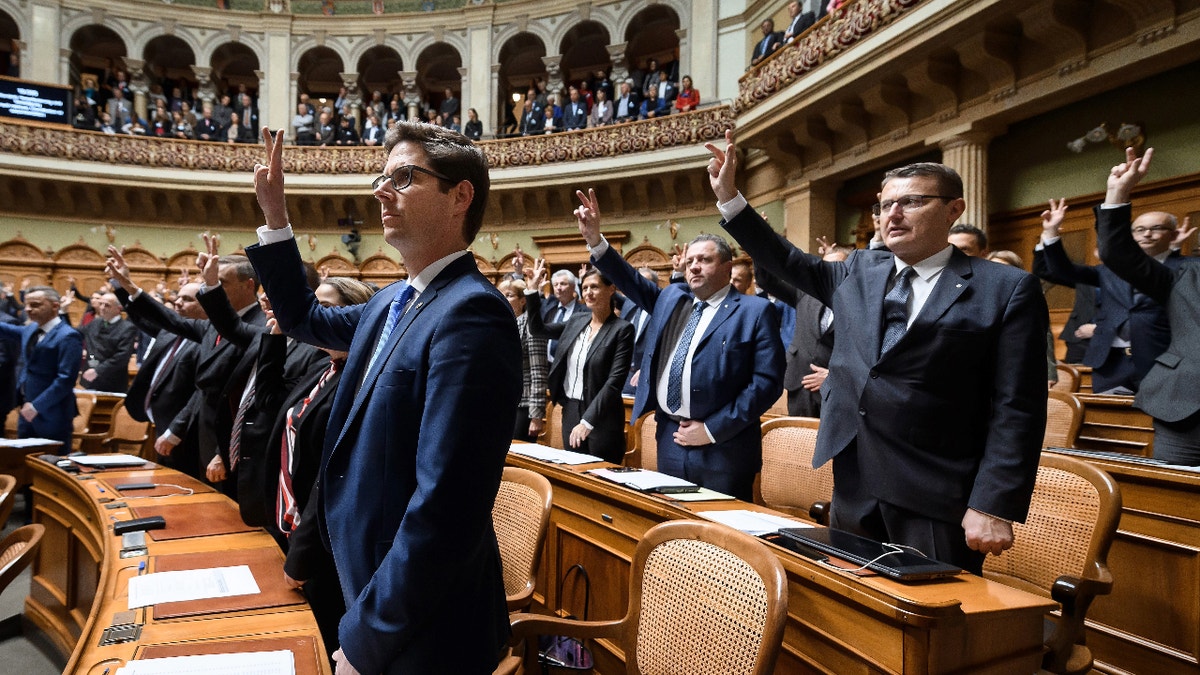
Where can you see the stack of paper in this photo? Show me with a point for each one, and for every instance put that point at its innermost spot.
(754, 523)
(107, 460)
(553, 455)
(282, 662)
(216, 582)
(641, 479)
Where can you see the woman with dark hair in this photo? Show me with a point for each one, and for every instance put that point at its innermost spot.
(473, 129)
(590, 366)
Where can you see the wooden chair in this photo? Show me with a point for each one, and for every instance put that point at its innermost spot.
(10, 423)
(788, 482)
(124, 434)
(16, 553)
(552, 430)
(1068, 378)
(1064, 417)
(645, 449)
(779, 408)
(703, 598)
(521, 515)
(85, 401)
(8, 496)
(1061, 552)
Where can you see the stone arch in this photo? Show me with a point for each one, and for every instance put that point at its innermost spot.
(378, 68)
(10, 36)
(437, 69)
(320, 71)
(309, 43)
(649, 33)
(156, 32)
(167, 57)
(95, 48)
(520, 58)
(233, 64)
(15, 13)
(583, 50)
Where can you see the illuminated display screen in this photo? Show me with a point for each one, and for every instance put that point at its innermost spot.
(35, 101)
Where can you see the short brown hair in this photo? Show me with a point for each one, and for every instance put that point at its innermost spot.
(452, 155)
(949, 182)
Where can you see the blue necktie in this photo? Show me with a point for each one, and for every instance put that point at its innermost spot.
(895, 310)
(675, 378)
(395, 310)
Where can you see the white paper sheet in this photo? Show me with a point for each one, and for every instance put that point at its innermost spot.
(552, 455)
(214, 582)
(281, 662)
(641, 479)
(752, 522)
(107, 460)
(26, 442)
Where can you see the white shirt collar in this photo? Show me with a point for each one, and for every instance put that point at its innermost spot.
(49, 325)
(930, 266)
(427, 275)
(717, 298)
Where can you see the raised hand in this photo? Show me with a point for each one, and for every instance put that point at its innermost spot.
(1182, 234)
(588, 216)
(1124, 176)
(518, 262)
(268, 181)
(118, 270)
(1052, 218)
(824, 247)
(679, 258)
(539, 274)
(210, 267)
(722, 168)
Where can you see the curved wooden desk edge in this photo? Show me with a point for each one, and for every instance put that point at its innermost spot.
(291, 621)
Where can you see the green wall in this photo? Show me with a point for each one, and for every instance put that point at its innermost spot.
(1031, 163)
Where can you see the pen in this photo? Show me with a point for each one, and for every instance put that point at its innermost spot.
(141, 567)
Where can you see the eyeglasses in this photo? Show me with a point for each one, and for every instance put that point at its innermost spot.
(402, 177)
(909, 203)
(1156, 229)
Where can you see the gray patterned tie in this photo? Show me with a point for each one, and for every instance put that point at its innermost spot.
(895, 310)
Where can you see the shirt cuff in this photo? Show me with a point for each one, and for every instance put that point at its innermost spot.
(1046, 241)
(707, 433)
(1113, 206)
(169, 437)
(204, 288)
(268, 236)
(732, 207)
(599, 249)
(587, 424)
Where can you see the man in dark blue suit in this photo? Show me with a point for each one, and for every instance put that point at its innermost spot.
(52, 351)
(713, 360)
(421, 424)
(1132, 330)
(935, 404)
(638, 317)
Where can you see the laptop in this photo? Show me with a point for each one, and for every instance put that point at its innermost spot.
(889, 561)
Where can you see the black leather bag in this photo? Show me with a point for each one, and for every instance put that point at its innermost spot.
(558, 653)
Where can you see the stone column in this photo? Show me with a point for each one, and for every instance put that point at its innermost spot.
(139, 84)
(206, 91)
(464, 86)
(554, 81)
(353, 96)
(492, 121)
(966, 153)
(276, 94)
(294, 97)
(620, 68)
(47, 58)
(810, 211)
(410, 94)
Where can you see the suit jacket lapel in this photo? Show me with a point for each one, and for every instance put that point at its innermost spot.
(952, 283)
(725, 310)
(879, 271)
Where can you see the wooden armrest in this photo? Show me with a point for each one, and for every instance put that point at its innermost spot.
(819, 512)
(1071, 592)
(521, 600)
(525, 625)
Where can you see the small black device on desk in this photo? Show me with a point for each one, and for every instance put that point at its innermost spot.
(126, 487)
(139, 524)
(889, 560)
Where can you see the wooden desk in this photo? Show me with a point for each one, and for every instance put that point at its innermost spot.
(80, 582)
(13, 454)
(1112, 424)
(1150, 623)
(837, 622)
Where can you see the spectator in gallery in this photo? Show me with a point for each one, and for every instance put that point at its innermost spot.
(455, 124)
(652, 106)
(207, 128)
(326, 132)
(106, 124)
(688, 97)
(302, 121)
(85, 114)
(221, 112)
(346, 135)
(473, 128)
(231, 134)
(450, 105)
(602, 112)
(180, 128)
(798, 22)
(666, 88)
(161, 124)
(532, 119)
(554, 114)
(372, 130)
(650, 79)
(575, 112)
(627, 103)
(771, 41)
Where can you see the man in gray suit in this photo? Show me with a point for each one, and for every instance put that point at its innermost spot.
(1168, 392)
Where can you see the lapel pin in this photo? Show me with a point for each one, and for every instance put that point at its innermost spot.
(958, 285)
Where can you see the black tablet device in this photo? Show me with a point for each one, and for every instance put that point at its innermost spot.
(891, 562)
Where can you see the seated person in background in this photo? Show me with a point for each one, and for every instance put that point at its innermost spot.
(688, 97)
(591, 363)
(627, 103)
(969, 239)
(1168, 392)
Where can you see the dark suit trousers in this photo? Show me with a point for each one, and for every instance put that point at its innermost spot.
(1116, 371)
(601, 442)
(856, 510)
(689, 464)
